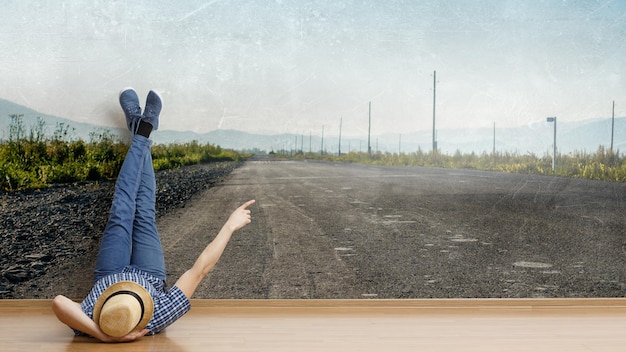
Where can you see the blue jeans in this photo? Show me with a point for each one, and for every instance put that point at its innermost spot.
(131, 237)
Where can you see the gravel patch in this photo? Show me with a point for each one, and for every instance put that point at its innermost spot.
(41, 230)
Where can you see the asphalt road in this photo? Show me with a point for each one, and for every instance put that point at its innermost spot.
(327, 230)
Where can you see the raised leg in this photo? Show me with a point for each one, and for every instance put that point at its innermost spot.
(147, 252)
(116, 245)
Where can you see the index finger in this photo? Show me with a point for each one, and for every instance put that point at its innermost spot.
(247, 204)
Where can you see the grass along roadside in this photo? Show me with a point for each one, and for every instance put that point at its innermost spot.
(602, 165)
(33, 160)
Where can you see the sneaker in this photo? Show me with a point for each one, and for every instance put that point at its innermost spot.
(130, 105)
(154, 104)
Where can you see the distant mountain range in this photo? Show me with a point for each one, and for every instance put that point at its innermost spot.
(537, 138)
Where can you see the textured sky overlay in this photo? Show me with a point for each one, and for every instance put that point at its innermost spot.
(300, 66)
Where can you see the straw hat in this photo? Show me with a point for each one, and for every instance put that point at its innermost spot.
(122, 308)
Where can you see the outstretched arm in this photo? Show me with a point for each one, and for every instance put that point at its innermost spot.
(190, 280)
(70, 314)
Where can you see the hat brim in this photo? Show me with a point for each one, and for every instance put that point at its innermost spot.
(134, 287)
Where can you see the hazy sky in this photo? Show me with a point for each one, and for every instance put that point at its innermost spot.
(295, 66)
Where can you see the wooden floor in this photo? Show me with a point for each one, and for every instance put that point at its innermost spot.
(348, 325)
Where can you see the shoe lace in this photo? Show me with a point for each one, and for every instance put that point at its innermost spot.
(134, 122)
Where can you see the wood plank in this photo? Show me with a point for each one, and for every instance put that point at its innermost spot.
(348, 325)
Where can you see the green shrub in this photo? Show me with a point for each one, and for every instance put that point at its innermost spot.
(34, 161)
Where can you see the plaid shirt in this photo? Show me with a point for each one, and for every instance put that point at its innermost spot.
(168, 305)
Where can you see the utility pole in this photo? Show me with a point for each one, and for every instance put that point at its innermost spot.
(434, 102)
(553, 119)
(494, 139)
(322, 147)
(340, 124)
(612, 126)
(369, 131)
